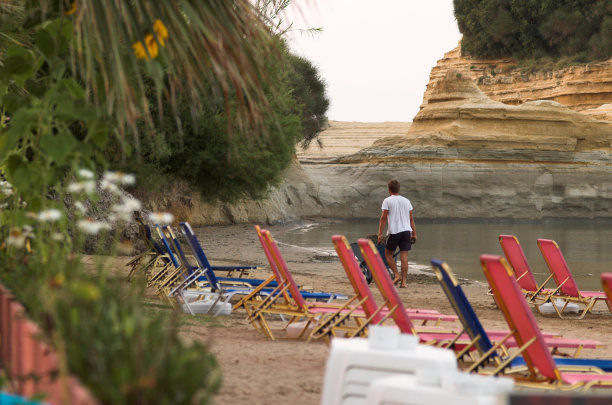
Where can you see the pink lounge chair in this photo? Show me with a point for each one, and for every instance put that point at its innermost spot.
(567, 290)
(288, 301)
(606, 281)
(542, 371)
(375, 314)
(393, 302)
(458, 341)
(524, 276)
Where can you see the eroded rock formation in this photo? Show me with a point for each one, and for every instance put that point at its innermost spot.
(466, 155)
(580, 88)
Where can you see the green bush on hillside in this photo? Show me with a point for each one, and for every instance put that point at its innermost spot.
(581, 29)
(214, 155)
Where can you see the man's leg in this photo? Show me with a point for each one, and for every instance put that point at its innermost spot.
(404, 261)
(392, 265)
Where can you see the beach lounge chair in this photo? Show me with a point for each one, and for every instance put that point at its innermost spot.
(165, 279)
(229, 281)
(397, 311)
(542, 371)
(524, 276)
(288, 301)
(373, 313)
(606, 281)
(376, 314)
(179, 285)
(567, 291)
(213, 287)
(241, 270)
(492, 345)
(152, 258)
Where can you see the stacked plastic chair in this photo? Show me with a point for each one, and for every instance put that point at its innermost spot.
(391, 367)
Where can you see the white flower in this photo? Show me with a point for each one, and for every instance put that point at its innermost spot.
(80, 207)
(17, 237)
(110, 177)
(119, 177)
(88, 186)
(109, 186)
(85, 174)
(127, 179)
(124, 211)
(132, 204)
(75, 187)
(28, 230)
(91, 226)
(128, 205)
(161, 218)
(50, 215)
(58, 237)
(6, 188)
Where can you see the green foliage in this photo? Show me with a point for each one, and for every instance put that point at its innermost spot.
(141, 359)
(71, 82)
(49, 131)
(308, 88)
(230, 166)
(532, 29)
(219, 159)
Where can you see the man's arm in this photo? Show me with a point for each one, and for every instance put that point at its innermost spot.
(413, 233)
(383, 222)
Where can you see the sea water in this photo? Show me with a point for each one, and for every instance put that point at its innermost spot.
(586, 244)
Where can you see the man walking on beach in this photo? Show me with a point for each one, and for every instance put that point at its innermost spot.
(397, 212)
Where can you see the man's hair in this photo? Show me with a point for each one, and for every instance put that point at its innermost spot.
(393, 186)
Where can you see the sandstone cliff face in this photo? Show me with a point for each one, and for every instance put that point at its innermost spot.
(294, 198)
(580, 88)
(466, 155)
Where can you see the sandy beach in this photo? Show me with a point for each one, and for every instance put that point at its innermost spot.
(259, 371)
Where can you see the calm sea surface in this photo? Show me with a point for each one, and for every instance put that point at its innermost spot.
(586, 244)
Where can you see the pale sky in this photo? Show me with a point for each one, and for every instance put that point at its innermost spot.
(374, 55)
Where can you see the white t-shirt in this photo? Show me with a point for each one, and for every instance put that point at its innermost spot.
(399, 213)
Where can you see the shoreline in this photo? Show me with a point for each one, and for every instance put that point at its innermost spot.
(585, 244)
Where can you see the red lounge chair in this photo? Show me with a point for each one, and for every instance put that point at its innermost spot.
(457, 341)
(374, 313)
(606, 281)
(288, 301)
(524, 276)
(542, 371)
(567, 290)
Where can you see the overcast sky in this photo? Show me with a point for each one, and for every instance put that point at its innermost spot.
(374, 55)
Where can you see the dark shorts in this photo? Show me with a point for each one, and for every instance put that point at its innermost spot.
(401, 239)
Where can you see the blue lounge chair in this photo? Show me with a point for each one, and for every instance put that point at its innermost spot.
(154, 253)
(203, 261)
(242, 281)
(480, 338)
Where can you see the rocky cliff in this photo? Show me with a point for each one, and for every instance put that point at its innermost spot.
(488, 151)
(581, 88)
(466, 155)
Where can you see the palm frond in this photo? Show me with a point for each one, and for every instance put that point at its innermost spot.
(180, 44)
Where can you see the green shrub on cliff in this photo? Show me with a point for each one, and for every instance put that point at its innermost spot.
(213, 151)
(580, 29)
(308, 88)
